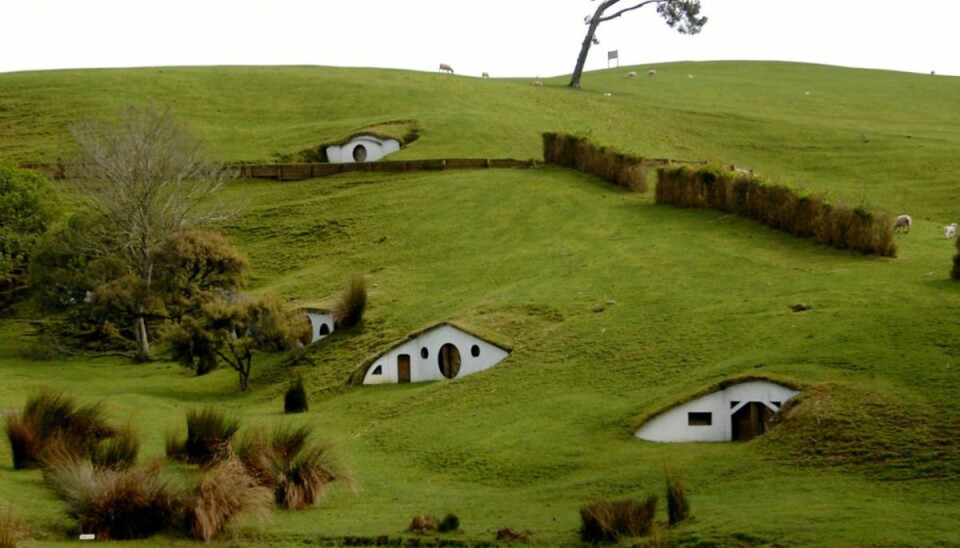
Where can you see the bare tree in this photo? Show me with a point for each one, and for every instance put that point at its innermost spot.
(146, 177)
(683, 15)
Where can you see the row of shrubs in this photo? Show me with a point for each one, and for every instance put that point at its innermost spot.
(571, 151)
(92, 466)
(800, 213)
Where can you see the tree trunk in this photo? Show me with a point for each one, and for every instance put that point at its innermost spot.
(585, 47)
(143, 343)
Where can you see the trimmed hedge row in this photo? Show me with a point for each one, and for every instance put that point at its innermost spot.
(800, 213)
(563, 149)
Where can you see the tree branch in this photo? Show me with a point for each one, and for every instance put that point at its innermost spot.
(625, 10)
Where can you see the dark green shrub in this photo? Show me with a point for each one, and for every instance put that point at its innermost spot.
(295, 399)
(208, 436)
(116, 504)
(955, 271)
(449, 523)
(349, 308)
(607, 521)
(678, 507)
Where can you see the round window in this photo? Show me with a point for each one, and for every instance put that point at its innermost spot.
(449, 361)
(424, 353)
(359, 153)
(475, 351)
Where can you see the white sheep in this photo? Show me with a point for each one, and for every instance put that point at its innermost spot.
(902, 224)
(446, 68)
(950, 231)
(632, 74)
(485, 75)
(740, 170)
(652, 72)
(537, 84)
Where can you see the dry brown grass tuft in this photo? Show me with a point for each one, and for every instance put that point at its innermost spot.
(12, 529)
(225, 493)
(607, 521)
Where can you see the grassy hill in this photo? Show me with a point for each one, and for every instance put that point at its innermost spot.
(615, 307)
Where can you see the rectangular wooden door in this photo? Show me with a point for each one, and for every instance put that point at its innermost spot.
(403, 368)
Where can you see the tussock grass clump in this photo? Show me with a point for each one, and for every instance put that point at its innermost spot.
(678, 507)
(295, 398)
(511, 535)
(12, 529)
(119, 451)
(208, 437)
(299, 473)
(50, 418)
(349, 307)
(608, 521)
(628, 172)
(423, 525)
(116, 504)
(224, 494)
(833, 224)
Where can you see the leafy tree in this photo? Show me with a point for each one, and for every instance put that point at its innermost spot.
(234, 331)
(146, 178)
(28, 207)
(683, 15)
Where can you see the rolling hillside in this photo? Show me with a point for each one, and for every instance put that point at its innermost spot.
(614, 306)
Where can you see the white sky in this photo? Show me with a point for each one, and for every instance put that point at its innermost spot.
(503, 37)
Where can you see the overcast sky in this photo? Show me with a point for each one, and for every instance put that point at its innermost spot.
(503, 37)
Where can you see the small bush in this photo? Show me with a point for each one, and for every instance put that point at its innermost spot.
(208, 436)
(607, 521)
(449, 523)
(49, 418)
(349, 308)
(12, 529)
(118, 452)
(223, 494)
(511, 535)
(678, 507)
(295, 399)
(955, 272)
(298, 474)
(423, 525)
(116, 504)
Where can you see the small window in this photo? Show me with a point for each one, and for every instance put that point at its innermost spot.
(734, 404)
(378, 370)
(776, 404)
(424, 353)
(475, 351)
(324, 329)
(699, 419)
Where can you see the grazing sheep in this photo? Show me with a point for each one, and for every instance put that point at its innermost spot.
(950, 231)
(446, 68)
(902, 224)
(537, 84)
(485, 75)
(740, 170)
(652, 72)
(632, 74)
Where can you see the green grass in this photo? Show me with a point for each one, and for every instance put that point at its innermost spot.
(614, 306)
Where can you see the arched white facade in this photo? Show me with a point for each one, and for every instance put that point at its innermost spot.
(362, 148)
(718, 416)
(321, 324)
(425, 356)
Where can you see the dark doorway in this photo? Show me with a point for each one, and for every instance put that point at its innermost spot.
(360, 153)
(449, 361)
(403, 368)
(751, 420)
(324, 329)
